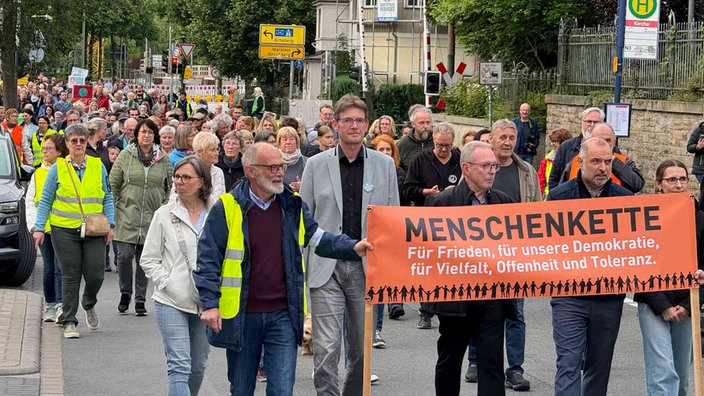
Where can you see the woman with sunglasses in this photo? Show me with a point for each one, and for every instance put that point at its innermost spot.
(665, 317)
(62, 207)
(168, 259)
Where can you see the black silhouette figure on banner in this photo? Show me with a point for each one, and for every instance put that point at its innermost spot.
(674, 279)
(427, 295)
(389, 293)
(559, 288)
(436, 292)
(484, 290)
(636, 283)
(380, 294)
(651, 282)
(477, 289)
(619, 284)
(516, 289)
(493, 290)
(502, 287)
(404, 293)
(667, 281)
(395, 293)
(420, 292)
(370, 294)
(525, 289)
(574, 286)
(453, 291)
(533, 287)
(445, 290)
(460, 291)
(413, 293)
(628, 284)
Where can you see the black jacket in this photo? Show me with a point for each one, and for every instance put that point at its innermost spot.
(233, 171)
(698, 162)
(660, 301)
(567, 150)
(462, 196)
(423, 173)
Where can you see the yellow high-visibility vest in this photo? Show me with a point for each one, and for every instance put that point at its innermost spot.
(39, 179)
(37, 147)
(64, 210)
(231, 276)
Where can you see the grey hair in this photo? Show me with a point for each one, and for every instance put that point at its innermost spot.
(420, 109)
(218, 119)
(76, 129)
(593, 141)
(503, 124)
(95, 124)
(157, 108)
(201, 170)
(468, 150)
(602, 116)
(167, 129)
(250, 155)
(444, 128)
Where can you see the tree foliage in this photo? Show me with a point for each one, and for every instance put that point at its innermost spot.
(508, 30)
(226, 32)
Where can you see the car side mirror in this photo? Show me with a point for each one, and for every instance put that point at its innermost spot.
(26, 173)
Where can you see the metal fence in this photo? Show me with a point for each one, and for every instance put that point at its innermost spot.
(585, 57)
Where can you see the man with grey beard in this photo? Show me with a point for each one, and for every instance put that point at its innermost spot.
(420, 139)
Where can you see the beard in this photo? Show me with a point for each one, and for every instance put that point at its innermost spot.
(272, 188)
(424, 134)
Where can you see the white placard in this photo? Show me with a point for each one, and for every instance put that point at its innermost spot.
(618, 115)
(641, 33)
(490, 73)
(386, 11)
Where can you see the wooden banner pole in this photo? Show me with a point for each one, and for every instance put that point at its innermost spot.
(368, 313)
(696, 341)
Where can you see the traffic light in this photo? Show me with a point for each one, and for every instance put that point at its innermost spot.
(175, 65)
(165, 60)
(431, 83)
(356, 73)
(143, 65)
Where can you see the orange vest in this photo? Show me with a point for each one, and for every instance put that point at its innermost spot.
(16, 134)
(575, 167)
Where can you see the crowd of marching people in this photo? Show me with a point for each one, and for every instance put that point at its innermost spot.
(195, 197)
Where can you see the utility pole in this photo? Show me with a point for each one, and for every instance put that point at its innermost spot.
(618, 60)
(426, 46)
(171, 76)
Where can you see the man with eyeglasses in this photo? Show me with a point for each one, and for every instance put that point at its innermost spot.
(253, 296)
(624, 171)
(585, 328)
(482, 320)
(519, 180)
(421, 138)
(123, 140)
(338, 185)
(432, 171)
(569, 148)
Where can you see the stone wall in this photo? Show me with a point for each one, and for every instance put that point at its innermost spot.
(659, 130)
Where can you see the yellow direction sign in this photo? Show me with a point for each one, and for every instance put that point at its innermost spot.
(282, 34)
(280, 52)
(187, 73)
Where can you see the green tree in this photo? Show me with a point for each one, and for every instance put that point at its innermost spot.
(226, 32)
(509, 30)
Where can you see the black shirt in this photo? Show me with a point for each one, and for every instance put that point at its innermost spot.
(352, 177)
(506, 181)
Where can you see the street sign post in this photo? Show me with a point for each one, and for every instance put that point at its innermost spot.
(282, 34)
(187, 49)
(280, 52)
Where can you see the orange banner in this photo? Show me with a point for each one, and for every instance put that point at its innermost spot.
(556, 248)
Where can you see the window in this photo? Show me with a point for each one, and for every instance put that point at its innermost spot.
(413, 3)
(369, 3)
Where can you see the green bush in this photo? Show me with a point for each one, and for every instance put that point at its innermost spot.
(394, 100)
(467, 98)
(341, 86)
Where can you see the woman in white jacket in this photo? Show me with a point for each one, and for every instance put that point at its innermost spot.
(168, 259)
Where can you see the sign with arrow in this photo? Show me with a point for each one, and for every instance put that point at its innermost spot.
(280, 52)
(187, 49)
(282, 34)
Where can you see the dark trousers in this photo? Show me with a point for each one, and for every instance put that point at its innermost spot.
(78, 257)
(126, 252)
(484, 322)
(585, 332)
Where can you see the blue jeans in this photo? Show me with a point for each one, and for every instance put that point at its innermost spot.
(515, 342)
(185, 346)
(52, 273)
(274, 332)
(584, 330)
(667, 349)
(380, 314)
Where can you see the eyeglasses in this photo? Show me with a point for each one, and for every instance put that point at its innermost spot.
(78, 141)
(486, 167)
(674, 180)
(184, 178)
(273, 168)
(47, 148)
(350, 121)
(591, 122)
(443, 146)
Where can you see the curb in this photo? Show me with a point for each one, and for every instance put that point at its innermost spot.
(21, 312)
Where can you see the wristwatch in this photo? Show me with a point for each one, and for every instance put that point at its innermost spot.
(112, 226)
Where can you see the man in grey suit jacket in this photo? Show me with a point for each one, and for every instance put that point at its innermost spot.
(338, 185)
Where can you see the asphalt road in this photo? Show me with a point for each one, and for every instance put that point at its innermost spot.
(125, 355)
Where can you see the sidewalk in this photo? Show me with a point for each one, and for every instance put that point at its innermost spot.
(30, 350)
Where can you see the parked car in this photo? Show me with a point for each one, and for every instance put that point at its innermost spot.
(17, 252)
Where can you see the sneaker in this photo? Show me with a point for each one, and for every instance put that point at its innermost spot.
(261, 375)
(70, 331)
(124, 303)
(92, 320)
(140, 309)
(49, 313)
(59, 315)
(378, 341)
(396, 312)
(471, 375)
(375, 378)
(424, 322)
(516, 382)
